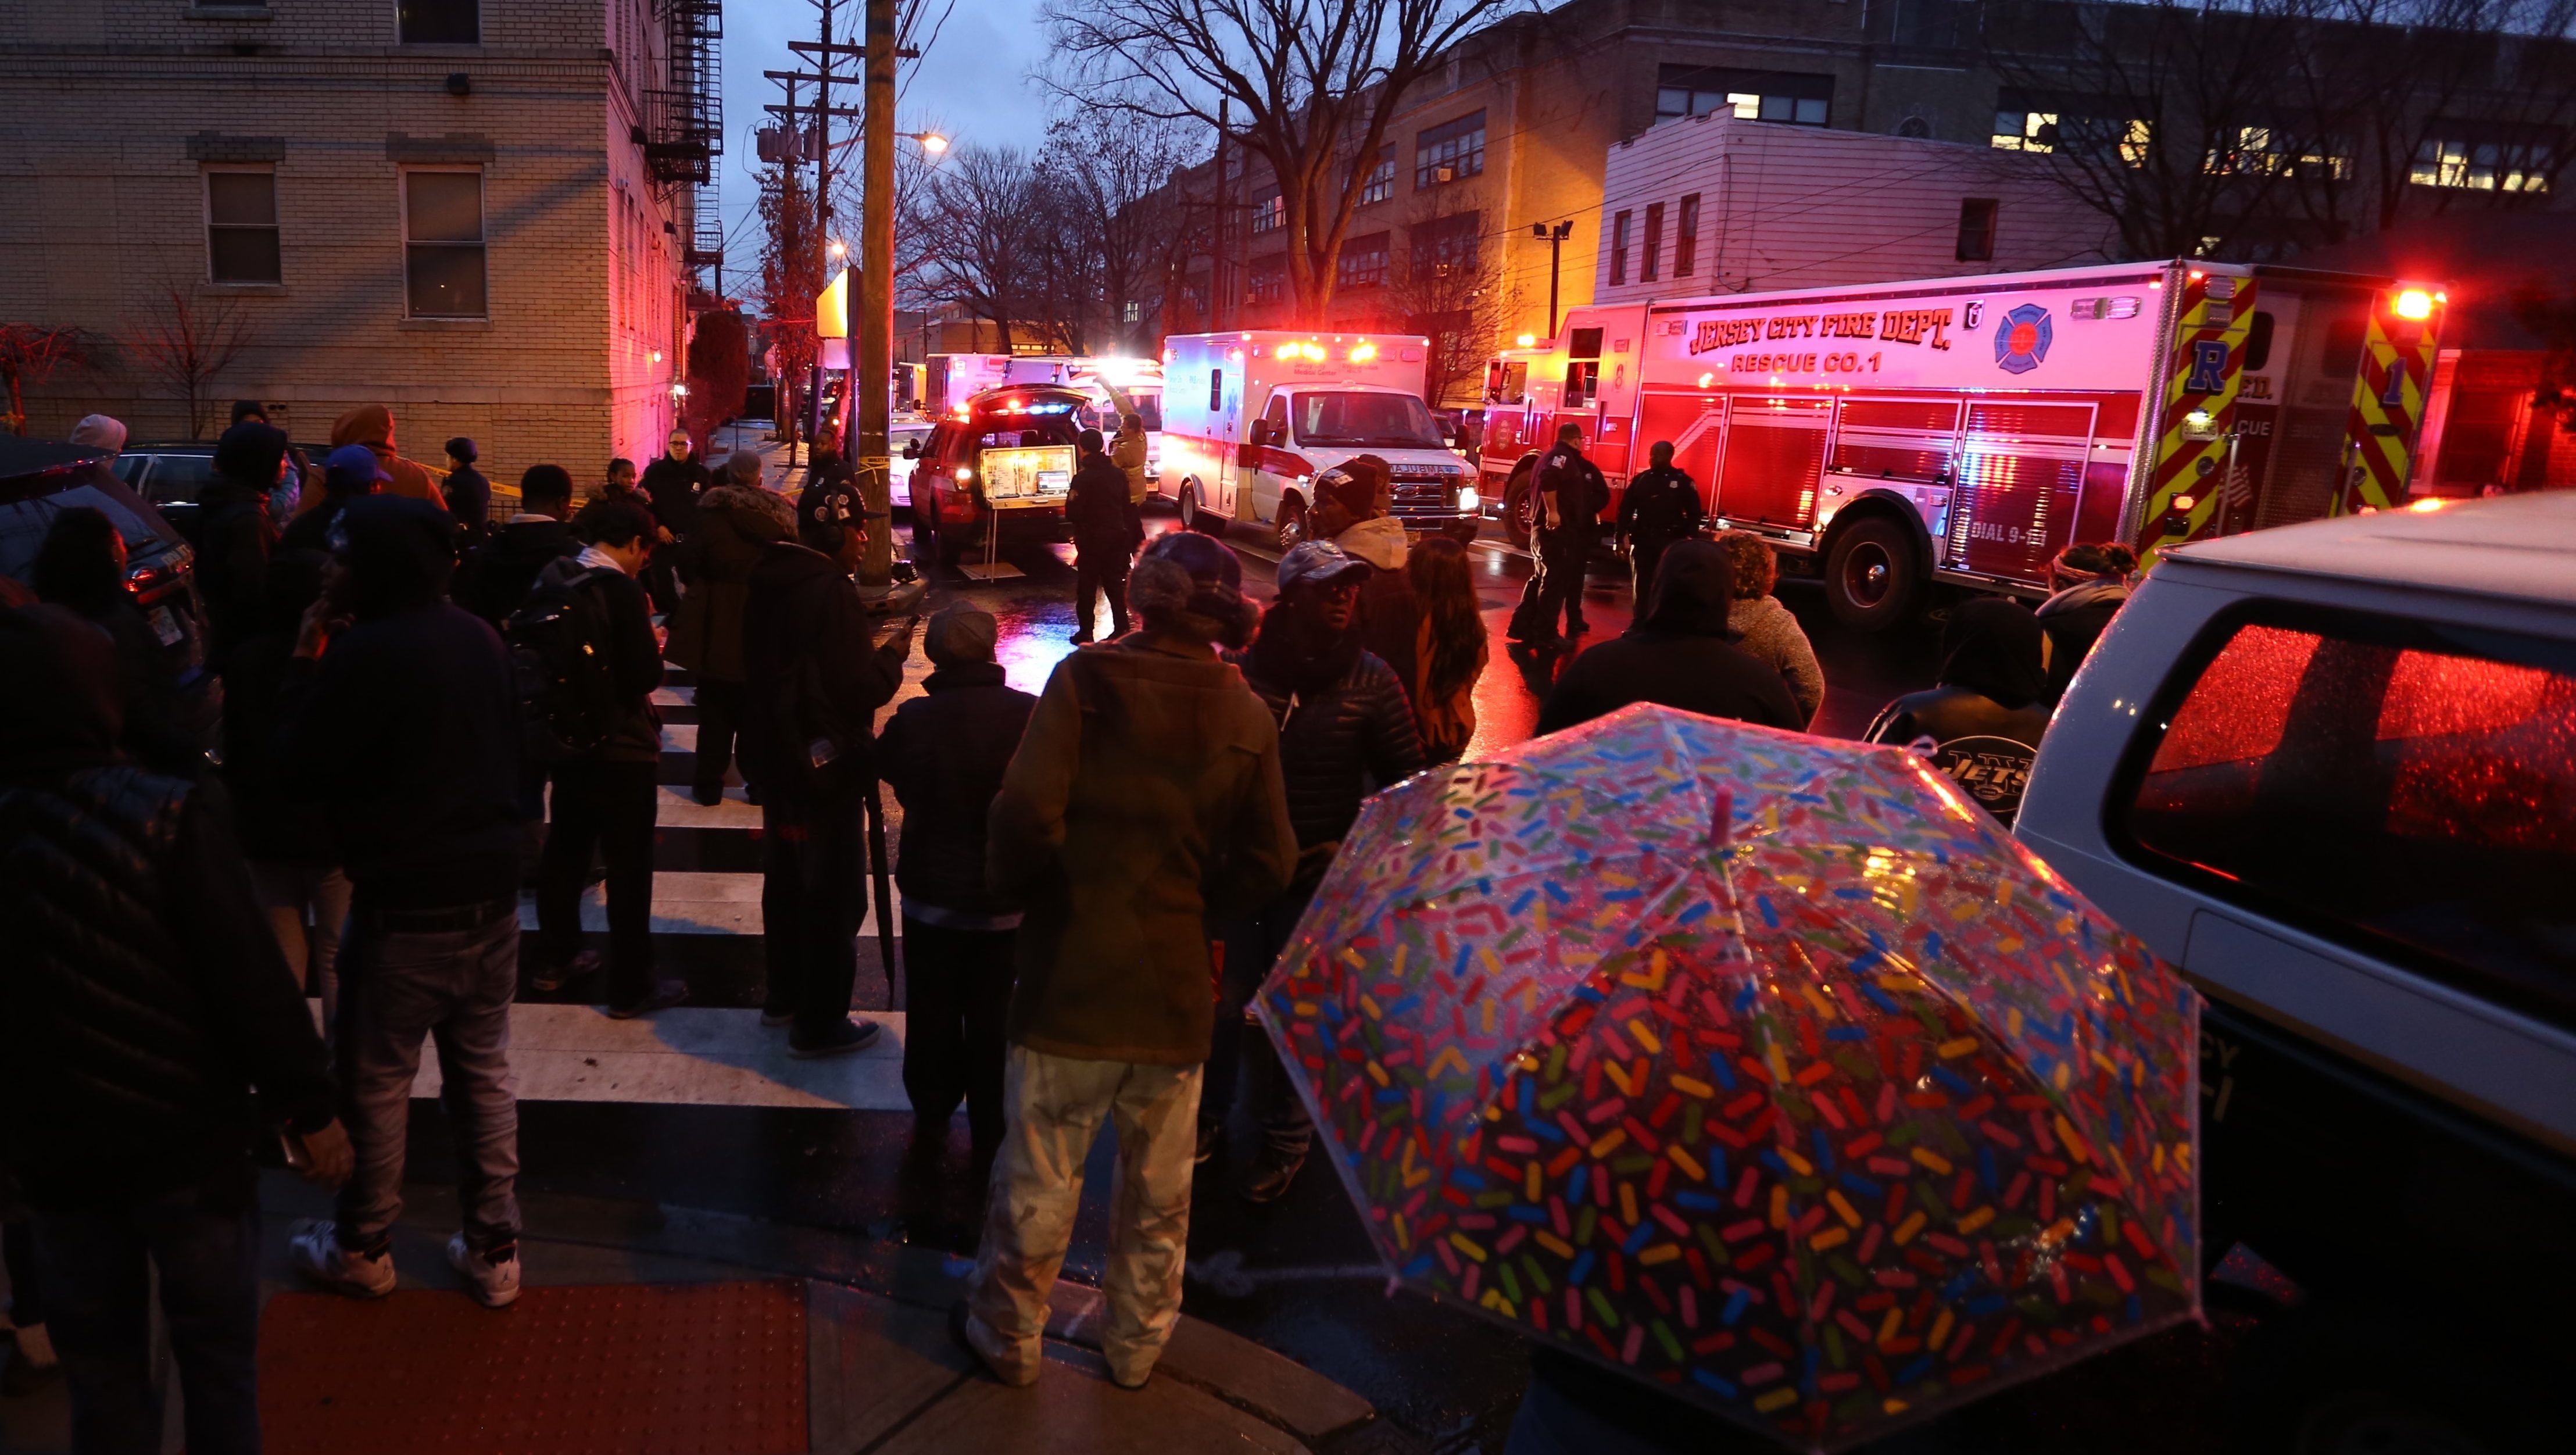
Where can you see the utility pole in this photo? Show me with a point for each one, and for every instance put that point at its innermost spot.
(872, 369)
(822, 213)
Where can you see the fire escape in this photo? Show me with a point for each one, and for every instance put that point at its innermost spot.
(685, 130)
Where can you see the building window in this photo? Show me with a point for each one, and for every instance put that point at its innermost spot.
(1269, 280)
(1976, 229)
(1270, 213)
(1686, 238)
(2025, 124)
(1650, 261)
(1797, 98)
(2455, 157)
(439, 22)
(1363, 263)
(241, 227)
(443, 244)
(1445, 246)
(1132, 312)
(1619, 249)
(1380, 183)
(1450, 151)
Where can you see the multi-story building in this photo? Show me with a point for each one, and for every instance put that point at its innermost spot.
(479, 214)
(1509, 142)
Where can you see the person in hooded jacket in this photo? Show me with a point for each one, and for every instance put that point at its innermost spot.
(1989, 710)
(1346, 730)
(467, 493)
(1680, 653)
(605, 799)
(733, 524)
(814, 676)
(2092, 581)
(1106, 533)
(235, 533)
(1766, 630)
(372, 425)
(1144, 798)
(294, 865)
(402, 719)
(943, 754)
(495, 579)
(148, 1029)
(1357, 508)
(1661, 506)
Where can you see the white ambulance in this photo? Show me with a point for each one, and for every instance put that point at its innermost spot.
(1251, 419)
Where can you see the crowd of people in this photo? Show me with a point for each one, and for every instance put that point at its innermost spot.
(426, 712)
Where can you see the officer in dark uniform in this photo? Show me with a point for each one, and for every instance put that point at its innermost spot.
(1661, 507)
(1570, 490)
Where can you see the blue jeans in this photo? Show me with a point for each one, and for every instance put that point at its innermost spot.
(396, 989)
(97, 1264)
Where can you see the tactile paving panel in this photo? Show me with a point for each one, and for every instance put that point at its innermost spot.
(612, 1369)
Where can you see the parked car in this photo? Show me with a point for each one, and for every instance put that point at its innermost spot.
(907, 436)
(38, 480)
(999, 467)
(2329, 772)
(170, 475)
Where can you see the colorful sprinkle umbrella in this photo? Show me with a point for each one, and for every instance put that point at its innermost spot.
(1765, 1068)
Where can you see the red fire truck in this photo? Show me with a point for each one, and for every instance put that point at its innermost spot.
(1965, 430)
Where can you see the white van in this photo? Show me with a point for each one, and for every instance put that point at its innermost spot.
(1251, 419)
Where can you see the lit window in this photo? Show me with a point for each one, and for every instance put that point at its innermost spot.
(1450, 152)
(2483, 166)
(1796, 98)
(2025, 131)
(443, 245)
(241, 227)
(1363, 262)
(1270, 214)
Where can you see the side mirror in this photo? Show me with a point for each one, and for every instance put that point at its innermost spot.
(1257, 434)
(912, 449)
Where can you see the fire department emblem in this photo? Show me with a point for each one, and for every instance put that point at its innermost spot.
(2022, 342)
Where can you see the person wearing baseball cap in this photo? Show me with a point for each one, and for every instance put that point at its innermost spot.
(468, 493)
(1346, 729)
(348, 473)
(1144, 797)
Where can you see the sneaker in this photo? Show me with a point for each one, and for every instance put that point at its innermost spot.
(1269, 1178)
(554, 977)
(1211, 1137)
(708, 797)
(1082, 639)
(313, 1248)
(841, 1040)
(664, 995)
(492, 1276)
(975, 1337)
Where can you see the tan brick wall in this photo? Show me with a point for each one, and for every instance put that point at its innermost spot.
(102, 99)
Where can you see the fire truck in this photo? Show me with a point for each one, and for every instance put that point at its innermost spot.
(1964, 430)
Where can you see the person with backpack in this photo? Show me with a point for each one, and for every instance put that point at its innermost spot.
(587, 623)
(813, 679)
(1660, 507)
(497, 575)
(734, 522)
(1571, 494)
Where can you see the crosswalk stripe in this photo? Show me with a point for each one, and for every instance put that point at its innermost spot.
(688, 1057)
(695, 903)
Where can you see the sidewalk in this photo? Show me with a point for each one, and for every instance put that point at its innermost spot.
(653, 1329)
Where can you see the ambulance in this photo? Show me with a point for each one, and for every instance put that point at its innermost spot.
(1964, 430)
(1251, 419)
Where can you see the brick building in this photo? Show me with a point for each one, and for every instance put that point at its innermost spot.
(479, 214)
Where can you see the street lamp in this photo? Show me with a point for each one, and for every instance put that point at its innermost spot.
(838, 248)
(1555, 238)
(931, 141)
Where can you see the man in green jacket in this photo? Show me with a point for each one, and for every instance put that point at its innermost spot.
(1144, 798)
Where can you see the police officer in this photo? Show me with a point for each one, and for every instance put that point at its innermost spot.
(1661, 507)
(1570, 490)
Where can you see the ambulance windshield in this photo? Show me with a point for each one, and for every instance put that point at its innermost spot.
(1356, 420)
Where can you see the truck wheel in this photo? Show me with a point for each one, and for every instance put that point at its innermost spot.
(1520, 510)
(1189, 506)
(1872, 575)
(1289, 531)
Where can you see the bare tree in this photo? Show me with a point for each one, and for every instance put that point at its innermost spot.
(183, 341)
(1108, 174)
(2162, 114)
(977, 218)
(29, 354)
(1452, 292)
(1310, 85)
(791, 277)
